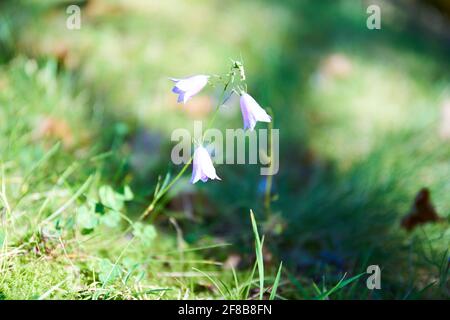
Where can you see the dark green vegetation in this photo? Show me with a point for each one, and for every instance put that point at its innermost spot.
(85, 123)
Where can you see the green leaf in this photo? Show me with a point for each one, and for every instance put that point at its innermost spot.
(341, 284)
(218, 285)
(111, 218)
(259, 255)
(129, 262)
(2, 237)
(100, 208)
(131, 266)
(69, 224)
(146, 233)
(108, 272)
(275, 284)
(86, 219)
(110, 198)
(141, 274)
(127, 194)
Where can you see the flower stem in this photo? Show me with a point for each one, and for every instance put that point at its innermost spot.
(268, 191)
(160, 194)
(152, 204)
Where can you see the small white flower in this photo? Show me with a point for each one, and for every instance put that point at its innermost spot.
(188, 87)
(202, 167)
(252, 112)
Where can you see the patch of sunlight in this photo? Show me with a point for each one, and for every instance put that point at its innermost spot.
(357, 106)
(145, 42)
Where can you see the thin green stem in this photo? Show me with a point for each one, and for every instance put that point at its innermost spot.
(152, 205)
(160, 194)
(268, 191)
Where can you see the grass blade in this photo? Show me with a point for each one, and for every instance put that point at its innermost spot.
(259, 255)
(214, 282)
(341, 284)
(275, 284)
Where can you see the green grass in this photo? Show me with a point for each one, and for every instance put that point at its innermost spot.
(85, 123)
(54, 243)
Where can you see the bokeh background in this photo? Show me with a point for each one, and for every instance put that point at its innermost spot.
(364, 120)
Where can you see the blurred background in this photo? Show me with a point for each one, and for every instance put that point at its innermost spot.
(364, 120)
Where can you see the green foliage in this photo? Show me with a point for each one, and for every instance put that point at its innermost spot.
(2, 237)
(84, 122)
(108, 272)
(259, 255)
(323, 295)
(145, 233)
(114, 200)
(86, 220)
(273, 292)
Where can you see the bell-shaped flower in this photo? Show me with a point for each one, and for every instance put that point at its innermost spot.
(188, 87)
(202, 166)
(252, 112)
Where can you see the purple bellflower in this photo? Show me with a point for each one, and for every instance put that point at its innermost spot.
(202, 167)
(252, 112)
(188, 87)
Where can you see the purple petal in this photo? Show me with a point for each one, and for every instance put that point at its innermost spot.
(189, 86)
(202, 167)
(176, 90)
(181, 97)
(252, 112)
